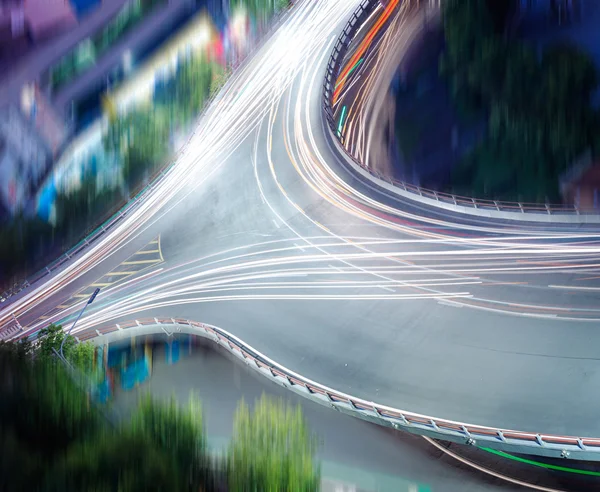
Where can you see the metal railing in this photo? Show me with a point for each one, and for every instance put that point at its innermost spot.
(582, 448)
(132, 204)
(432, 197)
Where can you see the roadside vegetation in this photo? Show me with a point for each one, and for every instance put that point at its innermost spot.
(53, 437)
(260, 9)
(536, 104)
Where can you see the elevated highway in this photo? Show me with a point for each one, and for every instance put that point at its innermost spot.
(267, 232)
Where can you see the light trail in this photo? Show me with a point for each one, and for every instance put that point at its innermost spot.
(221, 131)
(319, 236)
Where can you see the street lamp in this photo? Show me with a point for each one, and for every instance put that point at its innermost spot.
(90, 300)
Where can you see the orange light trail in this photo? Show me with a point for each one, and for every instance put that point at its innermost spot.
(363, 47)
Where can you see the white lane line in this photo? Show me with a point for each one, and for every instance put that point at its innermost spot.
(275, 222)
(572, 287)
(386, 288)
(299, 247)
(336, 268)
(451, 304)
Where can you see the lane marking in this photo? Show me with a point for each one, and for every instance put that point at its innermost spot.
(147, 252)
(451, 304)
(275, 222)
(572, 287)
(386, 288)
(160, 248)
(101, 284)
(299, 247)
(139, 262)
(119, 273)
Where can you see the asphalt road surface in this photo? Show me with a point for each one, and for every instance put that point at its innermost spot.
(360, 455)
(264, 232)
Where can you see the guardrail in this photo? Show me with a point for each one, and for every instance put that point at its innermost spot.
(580, 448)
(461, 204)
(136, 200)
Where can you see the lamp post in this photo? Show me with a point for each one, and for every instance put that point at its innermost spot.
(90, 300)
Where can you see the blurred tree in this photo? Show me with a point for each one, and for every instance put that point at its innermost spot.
(539, 112)
(23, 241)
(81, 355)
(178, 433)
(192, 86)
(281, 4)
(141, 138)
(468, 26)
(125, 461)
(162, 448)
(42, 412)
(220, 76)
(272, 449)
(256, 8)
(500, 12)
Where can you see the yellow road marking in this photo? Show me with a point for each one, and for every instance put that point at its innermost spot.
(160, 249)
(139, 262)
(121, 273)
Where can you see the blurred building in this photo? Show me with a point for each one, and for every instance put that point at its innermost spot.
(24, 157)
(63, 63)
(24, 23)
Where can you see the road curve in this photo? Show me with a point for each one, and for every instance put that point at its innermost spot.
(265, 233)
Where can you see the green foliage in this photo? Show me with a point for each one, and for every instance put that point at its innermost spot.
(42, 412)
(142, 138)
(281, 5)
(177, 433)
(125, 461)
(220, 76)
(257, 8)
(80, 355)
(192, 87)
(465, 39)
(539, 114)
(53, 439)
(272, 449)
(22, 241)
(162, 448)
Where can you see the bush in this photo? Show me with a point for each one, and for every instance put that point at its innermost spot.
(272, 449)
